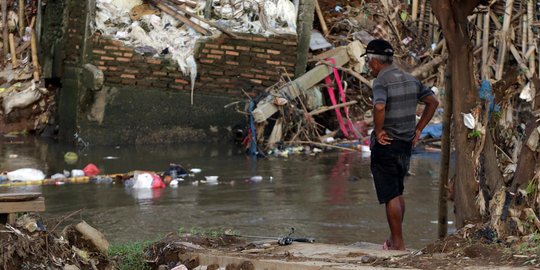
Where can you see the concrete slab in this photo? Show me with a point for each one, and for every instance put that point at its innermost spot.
(300, 256)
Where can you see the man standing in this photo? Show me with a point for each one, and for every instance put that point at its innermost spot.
(395, 97)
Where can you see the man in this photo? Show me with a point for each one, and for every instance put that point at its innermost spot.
(395, 97)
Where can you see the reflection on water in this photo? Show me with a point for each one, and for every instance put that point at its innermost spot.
(328, 197)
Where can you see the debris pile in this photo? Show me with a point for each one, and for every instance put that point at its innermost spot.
(20, 78)
(30, 244)
(172, 27)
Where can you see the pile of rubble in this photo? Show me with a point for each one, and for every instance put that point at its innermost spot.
(173, 27)
(20, 75)
(30, 244)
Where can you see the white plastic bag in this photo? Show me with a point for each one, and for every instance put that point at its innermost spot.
(469, 121)
(21, 99)
(26, 174)
(143, 180)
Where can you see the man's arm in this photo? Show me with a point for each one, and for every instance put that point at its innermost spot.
(431, 105)
(378, 121)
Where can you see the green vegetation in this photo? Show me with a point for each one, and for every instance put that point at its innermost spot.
(130, 255)
(530, 247)
(474, 134)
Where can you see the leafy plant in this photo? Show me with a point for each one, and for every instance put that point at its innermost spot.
(474, 134)
(130, 255)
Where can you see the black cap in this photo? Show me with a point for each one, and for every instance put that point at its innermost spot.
(380, 47)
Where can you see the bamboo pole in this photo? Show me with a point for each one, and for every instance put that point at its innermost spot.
(12, 50)
(321, 18)
(35, 62)
(21, 18)
(217, 26)
(503, 43)
(422, 15)
(524, 32)
(414, 14)
(531, 39)
(479, 25)
(5, 30)
(430, 27)
(328, 108)
(445, 157)
(485, 45)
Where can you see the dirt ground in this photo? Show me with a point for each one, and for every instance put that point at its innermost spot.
(469, 248)
(31, 244)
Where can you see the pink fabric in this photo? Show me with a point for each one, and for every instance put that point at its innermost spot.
(328, 81)
(157, 182)
(91, 170)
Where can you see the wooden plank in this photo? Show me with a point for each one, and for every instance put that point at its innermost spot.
(37, 205)
(321, 18)
(167, 9)
(23, 47)
(5, 32)
(215, 25)
(19, 197)
(12, 50)
(266, 108)
(503, 42)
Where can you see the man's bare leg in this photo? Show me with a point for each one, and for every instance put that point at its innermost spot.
(394, 215)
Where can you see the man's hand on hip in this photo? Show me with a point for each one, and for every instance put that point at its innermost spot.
(383, 138)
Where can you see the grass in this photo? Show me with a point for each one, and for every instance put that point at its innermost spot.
(130, 255)
(530, 247)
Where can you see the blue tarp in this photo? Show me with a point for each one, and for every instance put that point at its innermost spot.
(432, 130)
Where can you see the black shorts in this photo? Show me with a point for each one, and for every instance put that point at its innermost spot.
(389, 165)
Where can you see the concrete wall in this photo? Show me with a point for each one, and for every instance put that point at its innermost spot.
(146, 99)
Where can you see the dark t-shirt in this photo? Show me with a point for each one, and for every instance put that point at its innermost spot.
(400, 92)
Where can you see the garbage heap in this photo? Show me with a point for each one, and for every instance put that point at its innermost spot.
(26, 104)
(504, 74)
(171, 28)
(31, 244)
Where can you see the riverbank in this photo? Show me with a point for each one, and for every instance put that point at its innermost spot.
(52, 244)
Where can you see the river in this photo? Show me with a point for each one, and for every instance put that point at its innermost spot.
(329, 197)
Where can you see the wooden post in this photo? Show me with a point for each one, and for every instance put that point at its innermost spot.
(531, 39)
(321, 18)
(414, 14)
(5, 30)
(208, 9)
(524, 32)
(445, 157)
(430, 27)
(479, 25)
(421, 21)
(485, 46)
(35, 62)
(22, 18)
(503, 42)
(12, 50)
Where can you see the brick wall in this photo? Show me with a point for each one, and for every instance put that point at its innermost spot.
(74, 36)
(225, 65)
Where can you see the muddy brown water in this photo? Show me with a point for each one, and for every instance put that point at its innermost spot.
(329, 197)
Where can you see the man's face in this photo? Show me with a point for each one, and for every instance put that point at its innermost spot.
(373, 65)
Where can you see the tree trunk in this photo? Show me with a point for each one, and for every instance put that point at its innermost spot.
(452, 16)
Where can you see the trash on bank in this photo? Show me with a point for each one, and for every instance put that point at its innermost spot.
(36, 245)
(26, 174)
(22, 92)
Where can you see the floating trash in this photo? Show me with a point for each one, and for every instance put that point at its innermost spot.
(111, 157)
